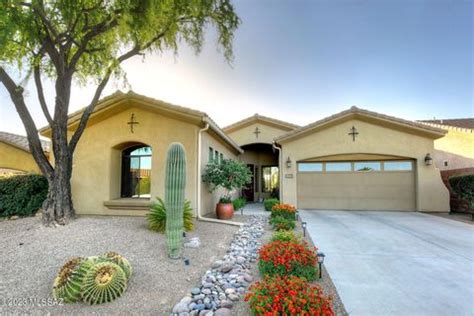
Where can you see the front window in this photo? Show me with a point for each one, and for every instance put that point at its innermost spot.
(136, 172)
(270, 179)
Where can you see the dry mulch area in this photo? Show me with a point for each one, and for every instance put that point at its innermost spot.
(31, 255)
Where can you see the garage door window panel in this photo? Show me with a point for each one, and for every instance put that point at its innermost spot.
(364, 166)
(338, 166)
(398, 166)
(310, 167)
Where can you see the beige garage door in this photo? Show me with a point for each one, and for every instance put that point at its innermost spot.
(357, 185)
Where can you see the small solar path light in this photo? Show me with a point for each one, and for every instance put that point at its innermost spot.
(297, 215)
(320, 256)
(303, 224)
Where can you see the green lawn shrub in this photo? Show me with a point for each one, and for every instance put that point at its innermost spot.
(463, 186)
(22, 195)
(280, 223)
(268, 203)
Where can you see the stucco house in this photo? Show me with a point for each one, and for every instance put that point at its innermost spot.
(15, 154)
(353, 160)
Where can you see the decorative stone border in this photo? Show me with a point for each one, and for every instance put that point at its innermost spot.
(227, 280)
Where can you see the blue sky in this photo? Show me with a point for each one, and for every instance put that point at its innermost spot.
(303, 60)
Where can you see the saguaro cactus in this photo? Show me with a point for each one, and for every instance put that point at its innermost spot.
(175, 182)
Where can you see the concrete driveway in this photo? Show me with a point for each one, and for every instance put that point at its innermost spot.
(397, 263)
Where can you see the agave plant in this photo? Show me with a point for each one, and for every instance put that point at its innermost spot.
(121, 261)
(157, 216)
(104, 282)
(68, 283)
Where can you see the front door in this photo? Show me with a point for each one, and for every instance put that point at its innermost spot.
(248, 192)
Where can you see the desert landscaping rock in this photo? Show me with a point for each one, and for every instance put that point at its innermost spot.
(157, 282)
(226, 281)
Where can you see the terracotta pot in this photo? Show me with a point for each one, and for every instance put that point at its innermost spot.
(224, 210)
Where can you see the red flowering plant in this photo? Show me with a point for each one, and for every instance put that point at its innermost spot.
(288, 295)
(287, 211)
(288, 258)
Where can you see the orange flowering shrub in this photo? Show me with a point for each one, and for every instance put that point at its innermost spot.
(288, 295)
(284, 210)
(288, 258)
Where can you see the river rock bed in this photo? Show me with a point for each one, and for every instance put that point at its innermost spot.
(228, 279)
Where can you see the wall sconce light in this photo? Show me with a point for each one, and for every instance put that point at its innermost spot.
(288, 162)
(428, 160)
(321, 257)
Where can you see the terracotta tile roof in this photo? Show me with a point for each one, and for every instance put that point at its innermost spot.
(20, 141)
(358, 111)
(256, 116)
(119, 95)
(461, 122)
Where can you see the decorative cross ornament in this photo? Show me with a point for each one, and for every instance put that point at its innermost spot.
(132, 122)
(257, 131)
(354, 133)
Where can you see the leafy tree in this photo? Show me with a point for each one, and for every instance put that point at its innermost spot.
(227, 174)
(84, 41)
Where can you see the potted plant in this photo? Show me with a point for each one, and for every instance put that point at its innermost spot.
(228, 175)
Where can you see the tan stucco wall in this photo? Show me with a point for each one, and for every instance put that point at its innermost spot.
(208, 199)
(456, 147)
(96, 169)
(432, 195)
(17, 159)
(245, 135)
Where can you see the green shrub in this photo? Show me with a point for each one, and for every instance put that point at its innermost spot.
(284, 210)
(239, 203)
(22, 195)
(157, 216)
(281, 223)
(463, 186)
(286, 235)
(268, 203)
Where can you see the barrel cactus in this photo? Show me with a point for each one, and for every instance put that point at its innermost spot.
(175, 182)
(68, 283)
(121, 261)
(104, 282)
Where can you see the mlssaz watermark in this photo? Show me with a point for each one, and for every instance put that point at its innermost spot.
(30, 301)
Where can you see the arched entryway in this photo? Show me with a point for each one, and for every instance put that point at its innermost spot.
(136, 171)
(262, 161)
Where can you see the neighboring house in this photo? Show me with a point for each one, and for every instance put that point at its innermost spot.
(454, 153)
(15, 155)
(119, 163)
(354, 160)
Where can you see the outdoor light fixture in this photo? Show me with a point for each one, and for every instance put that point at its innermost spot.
(320, 256)
(288, 162)
(186, 262)
(428, 160)
(297, 215)
(303, 224)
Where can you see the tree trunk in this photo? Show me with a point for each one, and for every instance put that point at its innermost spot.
(58, 207)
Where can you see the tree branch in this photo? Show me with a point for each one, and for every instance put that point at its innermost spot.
(90, 108)
(40, 92)
(16, 95)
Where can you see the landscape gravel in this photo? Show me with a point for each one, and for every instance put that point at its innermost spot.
(228, 278)
(31, 255)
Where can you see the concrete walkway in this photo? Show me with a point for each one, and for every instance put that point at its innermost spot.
(254, 209)
(397, 263)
